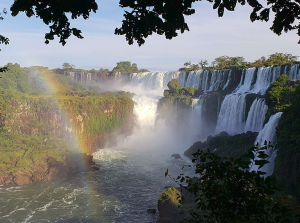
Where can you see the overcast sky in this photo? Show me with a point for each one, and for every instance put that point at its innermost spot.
(209, 37)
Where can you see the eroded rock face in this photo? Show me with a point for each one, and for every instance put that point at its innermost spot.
(43, 118)
(50, 169)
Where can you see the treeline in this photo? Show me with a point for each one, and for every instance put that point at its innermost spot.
(226, 62)
(121, 67)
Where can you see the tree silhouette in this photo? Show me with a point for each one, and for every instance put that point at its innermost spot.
(164, 17)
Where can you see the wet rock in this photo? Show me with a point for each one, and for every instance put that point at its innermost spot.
(151, 210)
(176, 156)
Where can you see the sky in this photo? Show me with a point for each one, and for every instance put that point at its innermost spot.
(209, 37)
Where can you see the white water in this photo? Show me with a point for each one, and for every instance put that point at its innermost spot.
(232, 114)
(268, 134)
(256, 115)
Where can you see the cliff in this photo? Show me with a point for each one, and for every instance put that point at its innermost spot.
(45, 133)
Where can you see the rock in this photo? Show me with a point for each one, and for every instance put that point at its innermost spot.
(151, 210)
(176, 156)
(168, 204)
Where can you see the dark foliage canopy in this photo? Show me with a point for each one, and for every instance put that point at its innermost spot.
(145, 17)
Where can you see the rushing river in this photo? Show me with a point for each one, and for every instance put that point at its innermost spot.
(129, 181)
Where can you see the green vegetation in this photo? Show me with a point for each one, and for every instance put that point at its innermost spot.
(279, 95)
(226, 191)
(42, 112)
(26, 152)
(176, 96)
(127, 67)
(227, 62)
(284, 95)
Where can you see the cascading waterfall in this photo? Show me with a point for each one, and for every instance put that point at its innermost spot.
(268, 134)
(256, 115)
(246, 82)
(149, 80)
(206, 80)
(294, 72)
(196, 120)
(232, 114)
(145, 110)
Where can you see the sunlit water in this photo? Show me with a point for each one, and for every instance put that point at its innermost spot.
(130, 179)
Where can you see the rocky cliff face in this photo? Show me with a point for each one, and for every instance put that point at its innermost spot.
(42, 138)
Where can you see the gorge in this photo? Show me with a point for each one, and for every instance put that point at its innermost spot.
(131, 174)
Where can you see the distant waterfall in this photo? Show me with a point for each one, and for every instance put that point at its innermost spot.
(232, 114)
(265, 76)
(268, 134)
(196, 121)
(294, 72)
(256, 115)
(246, 82)
(150, 80)
(206, 80)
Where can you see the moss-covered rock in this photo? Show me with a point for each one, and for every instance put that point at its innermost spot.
(40, 132)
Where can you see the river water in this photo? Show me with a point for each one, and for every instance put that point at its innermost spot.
(129, 181)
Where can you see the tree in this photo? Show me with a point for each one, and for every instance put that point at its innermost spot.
(280, 58)
(187, 64)
(226, 191)
(125, 67)
(164, 17)
(68, 67)
(174, 86)
(226, 62)
(203, 63)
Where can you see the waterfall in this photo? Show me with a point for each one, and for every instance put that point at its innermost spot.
(206, 80)
(232, 114)
(145, 110)
(228, 80)
(219, 80)
(265, 76)
(246, 82)
(256, 115)
(268, 134)
(294, 72)
(193, 79)
(196, 120)
(152, 80)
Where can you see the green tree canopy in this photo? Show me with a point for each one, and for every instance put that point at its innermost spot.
(226, 62)
(227, 192)
(126, 67)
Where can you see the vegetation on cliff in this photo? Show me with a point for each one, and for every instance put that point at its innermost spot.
(176, 96)
(226, 191)
(238, 62)
(41, 113)
(284, 95)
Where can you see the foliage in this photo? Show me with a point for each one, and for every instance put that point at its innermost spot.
(35, 121)
(127, 67)
(167, 18)
(174, 86)
(68, 67)
(279, 94)
(189, 66)
(226, 191)
(163, 17)
(54, 14)
(226, 62)
(288, 140)
(280, 58)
